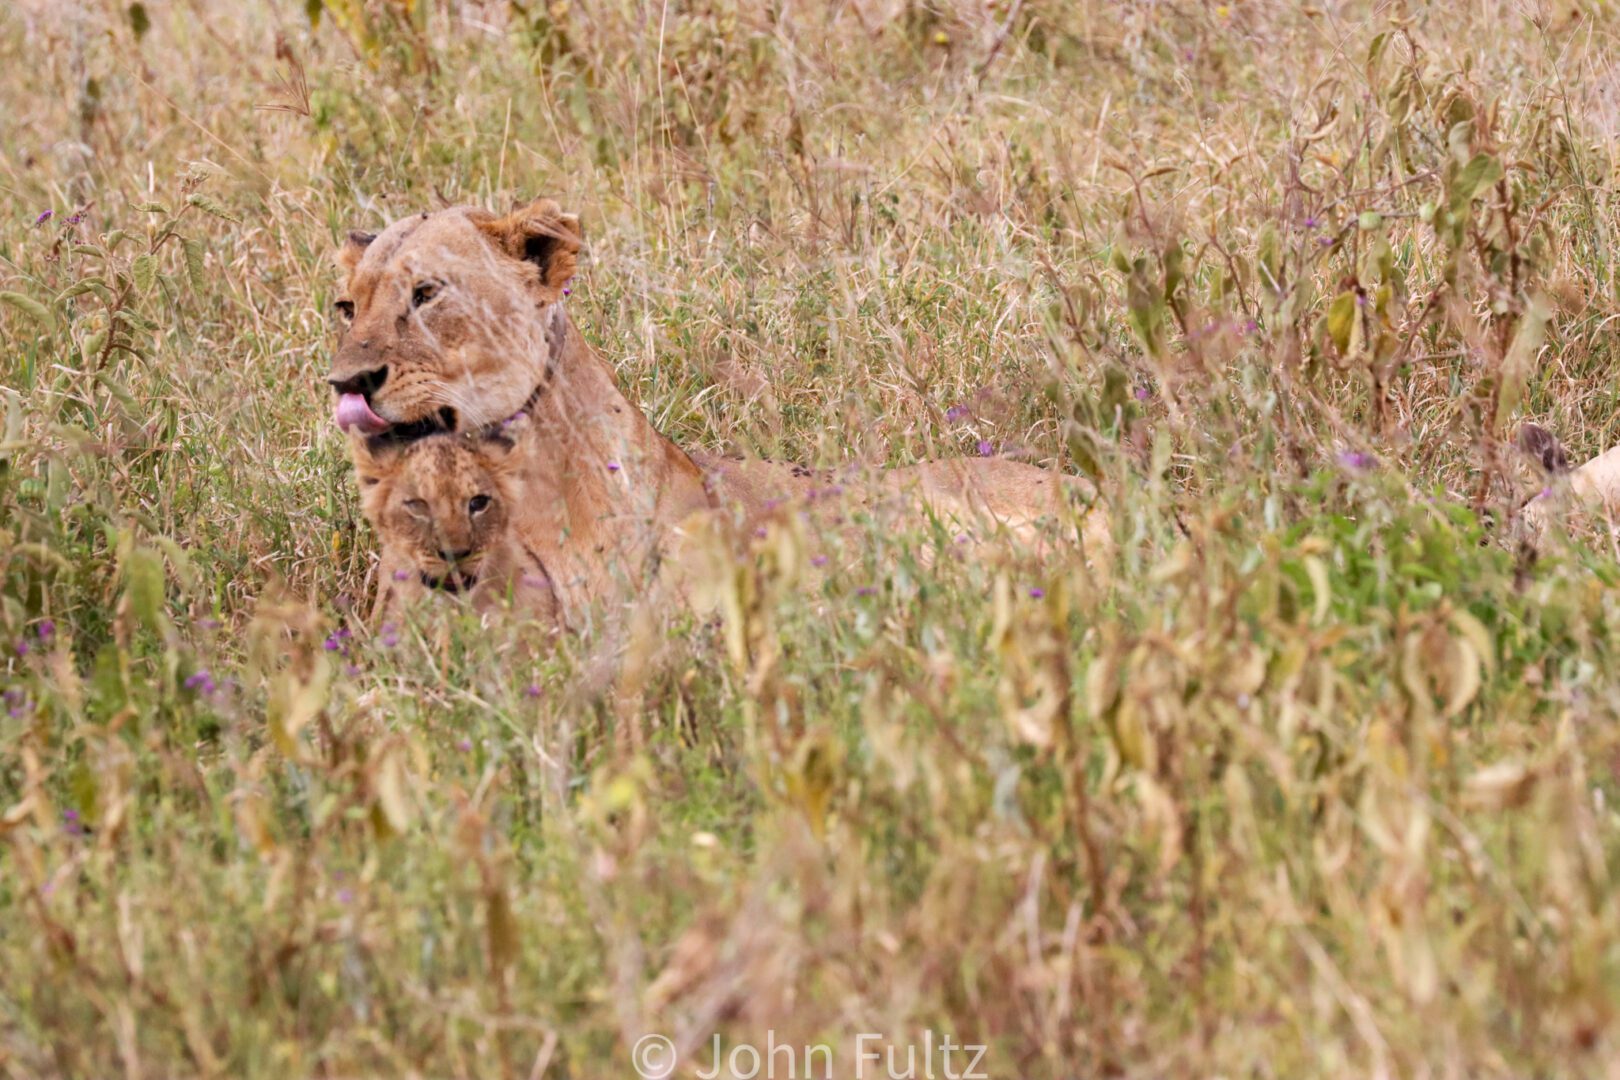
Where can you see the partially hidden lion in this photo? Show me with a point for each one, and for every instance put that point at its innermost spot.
(445, 507)
(454, 322)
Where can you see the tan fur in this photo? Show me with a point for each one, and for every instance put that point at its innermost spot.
(444, 509)
(1590, 492)
(602, 495)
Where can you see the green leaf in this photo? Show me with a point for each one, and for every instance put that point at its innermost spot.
(209, 206)
(144, 271)
(1478, 175)
(31, 307)
(1369, 220)
(194, 264)
(1341, 320)
(143, 589)
(152, 208)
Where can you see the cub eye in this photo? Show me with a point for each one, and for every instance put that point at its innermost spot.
(418, 507)
(478, 504)
(424, 292)
(345, 308)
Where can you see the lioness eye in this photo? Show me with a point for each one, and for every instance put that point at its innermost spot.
(418, 507)
(423, 293)
(478, 504)
(345, 308)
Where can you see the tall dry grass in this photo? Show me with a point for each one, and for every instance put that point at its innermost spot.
(1312, 779)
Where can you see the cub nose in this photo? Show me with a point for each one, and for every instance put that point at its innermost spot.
(365, 384)
(455, 556)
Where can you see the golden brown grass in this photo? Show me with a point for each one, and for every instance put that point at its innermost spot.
(1314, 780)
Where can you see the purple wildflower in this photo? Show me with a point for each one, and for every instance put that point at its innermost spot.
(818, 560)
(16, 703)
(202, 681)
(1357, 460)
(956, 412)
(613, 466)
(44, 217)
(985, 449)
(1250, 327)
(532, 690)
(71, 822)
(345, 896)
(22, 647)
(1325, 241)
(866, 590)
(46, 629)
(961, 538)
(464, 745)
(389, 636)
(206, 623)
(760, 532)
(1143, 393)
(1311, 222)
(351, 670)
(76, 217)
(402, 575)
(1036, 592)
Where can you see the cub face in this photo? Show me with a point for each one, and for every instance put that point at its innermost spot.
(441, 505)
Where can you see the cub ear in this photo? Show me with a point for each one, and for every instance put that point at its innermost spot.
(376, 458)
(542, 234)
(501, 439)
(353, 248)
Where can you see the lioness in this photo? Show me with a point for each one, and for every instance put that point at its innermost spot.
(454, 322)
(443, 507)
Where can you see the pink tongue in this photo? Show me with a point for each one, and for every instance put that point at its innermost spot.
(353, 411)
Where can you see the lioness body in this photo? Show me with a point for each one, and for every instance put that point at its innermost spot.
(458, 323)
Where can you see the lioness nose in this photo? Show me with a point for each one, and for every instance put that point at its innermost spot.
(365, 384)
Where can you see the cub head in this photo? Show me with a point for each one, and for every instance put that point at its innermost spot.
(448, 320)
(443, 501)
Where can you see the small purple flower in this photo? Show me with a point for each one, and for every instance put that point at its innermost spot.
(1311, 222)
(1251, 327)
(961, 538)
(818, 560)
(1357, 460)
(464, 745)
(71, 822)
(75, 218)
(345, 896)
(389, 636)
(567, 291)
(206, 623)
(1544, 493)
(956, 412)
(1325, 241)
(46, 629)
(985, 449)
(351, 670)
(532, 690)
(43, 218)
(201, 681)
(866, 590)
(1361, 299)
(402, 575)
(1143, 393)
(331, 644)
(760, 532)
(613, 466)
(22, 647)
(16, 703)
(1036, 592)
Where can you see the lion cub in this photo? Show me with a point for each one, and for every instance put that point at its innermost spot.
(444, 507)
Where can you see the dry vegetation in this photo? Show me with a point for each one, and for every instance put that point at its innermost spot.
(1311, 779)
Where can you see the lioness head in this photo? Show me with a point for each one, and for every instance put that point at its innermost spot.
(442, 501)
(449, 319)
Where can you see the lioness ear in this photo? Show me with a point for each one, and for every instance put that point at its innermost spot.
(542, 234)
(348, 255)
